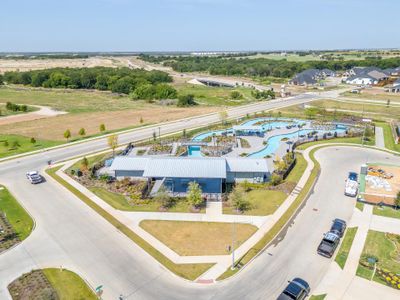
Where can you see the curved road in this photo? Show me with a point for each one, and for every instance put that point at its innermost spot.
(70, 234)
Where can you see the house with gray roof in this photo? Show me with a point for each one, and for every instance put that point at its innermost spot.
(311, 76)
(366, 76)
(395, 87)
(175, 173)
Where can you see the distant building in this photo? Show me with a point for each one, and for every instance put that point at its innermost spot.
(394, 72)
(366, 76)
(395, 87)
(311, 76)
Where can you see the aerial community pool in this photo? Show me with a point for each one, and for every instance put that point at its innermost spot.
(273, 142)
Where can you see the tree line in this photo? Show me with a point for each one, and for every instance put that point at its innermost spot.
(262, 67)
(139, 83)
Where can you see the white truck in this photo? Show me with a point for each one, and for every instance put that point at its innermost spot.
(351, 186)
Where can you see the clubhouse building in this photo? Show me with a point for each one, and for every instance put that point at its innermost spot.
(175, 173)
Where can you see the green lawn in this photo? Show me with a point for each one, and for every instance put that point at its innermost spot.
(318, 297)
(345, 247)
(73, 101)
(188, 271)
(360, 205)
(386, 211)
(69, 285)
(215, 95)
(198, 238)
(350, 140)
(387, 134)
(19, 144)
(378, 245)
(16, 214)
(298, 170)
(263, 202)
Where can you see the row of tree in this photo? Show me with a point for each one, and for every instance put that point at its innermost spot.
(262, 66)
(16, 107)
(140, 83)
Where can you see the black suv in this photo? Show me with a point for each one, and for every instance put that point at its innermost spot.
(338, 227)
(328, 244)
(298, 289)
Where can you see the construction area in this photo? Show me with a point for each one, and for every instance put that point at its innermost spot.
(380, 183)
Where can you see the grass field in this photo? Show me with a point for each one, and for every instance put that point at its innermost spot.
(16, 214)
(388, 136)
(360, 205)
(198, 238)
(69, 285)
(215, 96)
(263, 202)
(386, 211)
(19, 144)
(394, 98)
(318, 297)
(378, 245)
(341, 256)
(188, 271)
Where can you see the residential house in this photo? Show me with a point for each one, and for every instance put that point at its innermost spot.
(311, 76)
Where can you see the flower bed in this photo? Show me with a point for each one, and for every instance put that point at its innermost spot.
(160, 149)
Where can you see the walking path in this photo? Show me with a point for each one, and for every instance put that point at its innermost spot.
(379, 138)
(43, 112)
(344, 284)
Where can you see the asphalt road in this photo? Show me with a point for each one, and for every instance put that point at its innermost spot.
(70, 234)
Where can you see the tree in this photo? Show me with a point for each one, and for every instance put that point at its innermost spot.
(311, 112)
(33, 140)
(141, 120)
(186, 100)
(5, 143)
(67, 134)
(275, 179)
(236, 95)
(238, 199)
(163, 197)
(112, 141)
(194, 194)
(84, 164)
(184, 133)
(223, 116)
(388, 103)
(397, 200)
(102, 127)
(82, 132)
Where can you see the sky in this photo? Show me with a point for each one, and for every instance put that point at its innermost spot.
(197, 25)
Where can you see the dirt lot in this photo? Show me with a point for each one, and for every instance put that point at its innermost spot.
(379, 189)
(54, 127)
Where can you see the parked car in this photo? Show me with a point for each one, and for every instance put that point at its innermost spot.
(297, 289)
(338, 227)
(328, 244)
(34, 177)
(351, 186)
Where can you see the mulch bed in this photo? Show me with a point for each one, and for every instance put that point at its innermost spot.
(8, 236)
(32, 286)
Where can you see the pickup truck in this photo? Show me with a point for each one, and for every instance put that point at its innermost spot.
(328, 244)
(351, 186)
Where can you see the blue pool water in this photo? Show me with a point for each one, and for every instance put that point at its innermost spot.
(274, 141)
(200, 137)
(194, 151)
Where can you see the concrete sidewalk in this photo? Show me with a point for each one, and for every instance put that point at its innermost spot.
(379, 137)
(344, 284)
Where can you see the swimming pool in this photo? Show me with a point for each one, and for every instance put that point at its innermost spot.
(194, 151)
(274, 141)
